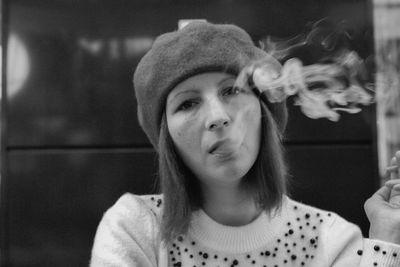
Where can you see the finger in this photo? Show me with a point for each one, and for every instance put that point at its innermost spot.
(393, 174)
(391, 183)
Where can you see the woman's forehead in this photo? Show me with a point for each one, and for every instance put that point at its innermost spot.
(196, 82)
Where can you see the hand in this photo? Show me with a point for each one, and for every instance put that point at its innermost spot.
(383, 208)
(394, 173)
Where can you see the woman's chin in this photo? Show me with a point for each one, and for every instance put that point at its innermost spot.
(230, 173)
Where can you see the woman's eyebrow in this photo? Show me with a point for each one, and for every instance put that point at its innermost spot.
(225, 79)
(186, 91)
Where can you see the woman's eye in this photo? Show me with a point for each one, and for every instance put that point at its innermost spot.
(188, 104)
(232, 90)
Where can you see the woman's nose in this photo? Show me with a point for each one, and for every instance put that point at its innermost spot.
(217, 116)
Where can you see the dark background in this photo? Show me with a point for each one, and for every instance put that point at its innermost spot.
(71, 144)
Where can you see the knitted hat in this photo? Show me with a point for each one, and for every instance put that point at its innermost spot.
(175, 56)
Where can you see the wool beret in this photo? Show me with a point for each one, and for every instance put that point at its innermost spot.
(197, 48)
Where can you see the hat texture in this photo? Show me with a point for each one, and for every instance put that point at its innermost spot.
(175, 56)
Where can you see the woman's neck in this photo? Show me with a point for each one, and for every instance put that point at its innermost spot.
(231, 206)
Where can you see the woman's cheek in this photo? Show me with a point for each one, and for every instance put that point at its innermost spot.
(250, 113)
(186, 135)
(252, 122)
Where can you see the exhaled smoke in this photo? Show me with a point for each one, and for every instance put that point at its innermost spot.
(320, 89)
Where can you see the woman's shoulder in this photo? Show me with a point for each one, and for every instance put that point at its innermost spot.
(311, 214)
(129, 200)
(321, 226)
(133, 208)
(128, 233)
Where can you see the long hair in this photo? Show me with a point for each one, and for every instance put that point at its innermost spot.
(266, 179)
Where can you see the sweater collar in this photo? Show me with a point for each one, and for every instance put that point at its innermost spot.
(237, 239)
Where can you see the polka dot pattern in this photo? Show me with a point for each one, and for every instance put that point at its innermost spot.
(379, 251)
(296, 244)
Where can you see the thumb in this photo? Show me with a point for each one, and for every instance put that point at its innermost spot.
(383, 194)
(374, 203)
(395, 192)
(395, 195)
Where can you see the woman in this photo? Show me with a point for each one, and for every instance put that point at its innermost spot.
(222, 172)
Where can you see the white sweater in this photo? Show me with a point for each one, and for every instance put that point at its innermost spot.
(298, 235)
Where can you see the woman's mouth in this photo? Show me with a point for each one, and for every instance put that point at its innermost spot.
(223, 149)
(224, 155)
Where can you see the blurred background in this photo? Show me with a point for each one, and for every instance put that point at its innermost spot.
(70, 140)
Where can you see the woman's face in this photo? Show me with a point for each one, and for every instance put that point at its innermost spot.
(215, 127)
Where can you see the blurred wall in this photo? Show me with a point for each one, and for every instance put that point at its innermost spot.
(71, 140)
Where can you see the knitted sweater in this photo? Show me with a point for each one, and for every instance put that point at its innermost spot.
(298, 235)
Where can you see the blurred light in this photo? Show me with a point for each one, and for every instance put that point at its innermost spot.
(18, 65)
(116, 48)
(92, 46)
(138, 45)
